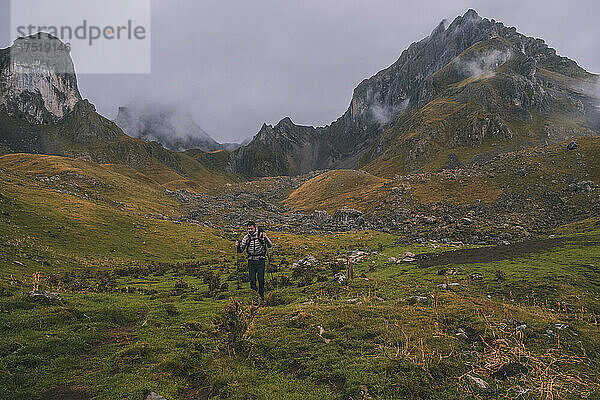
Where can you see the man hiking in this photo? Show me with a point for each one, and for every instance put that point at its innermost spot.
(256, 244)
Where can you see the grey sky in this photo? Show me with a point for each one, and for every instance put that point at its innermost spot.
(237, 64)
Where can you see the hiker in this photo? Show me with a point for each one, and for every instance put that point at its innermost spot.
(256, 244)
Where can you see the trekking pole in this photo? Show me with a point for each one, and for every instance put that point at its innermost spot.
(237, 274)
(271, 269)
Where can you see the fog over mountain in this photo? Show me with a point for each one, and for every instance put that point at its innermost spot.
(237, 65)
(170, 125)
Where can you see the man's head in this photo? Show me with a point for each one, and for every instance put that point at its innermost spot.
(251, 227)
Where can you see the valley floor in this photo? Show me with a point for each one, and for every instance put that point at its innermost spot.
(152, 305)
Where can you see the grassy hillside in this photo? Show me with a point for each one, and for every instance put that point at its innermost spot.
(213, 160)
(89, 136)
(171, 169)
(336, 189)
(152, 305)
(528, 171)
(74, 214)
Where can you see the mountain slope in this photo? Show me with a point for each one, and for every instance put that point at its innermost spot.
(337, 189)
(489, 100)
(475, 76)
(512, 197)
(41, 111)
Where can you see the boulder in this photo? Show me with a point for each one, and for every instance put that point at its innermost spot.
(155, 396)
(520, 172)
(339, 277)
(478, 384)
(418, 299)
(321, 217)
(43, 294)
(581, 187)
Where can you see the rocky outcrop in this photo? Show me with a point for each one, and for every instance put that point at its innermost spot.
(480, 128)
(349, 217)
(283, 149)
(39, 87)
(581, 187)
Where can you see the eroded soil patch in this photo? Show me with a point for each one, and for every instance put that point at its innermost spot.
(487, 254)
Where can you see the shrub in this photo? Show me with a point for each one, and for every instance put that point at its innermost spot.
(285, 280)
(213, 282)
(181, 284)
(278, 298)
(500, 276)
(234, 324)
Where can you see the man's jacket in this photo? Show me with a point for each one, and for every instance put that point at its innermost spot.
(255, 247)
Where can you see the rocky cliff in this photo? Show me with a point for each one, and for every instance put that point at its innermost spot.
(38, 86)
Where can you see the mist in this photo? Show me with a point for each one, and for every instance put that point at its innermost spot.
(236, 65)
(172, 125)
(486, 63)
(385, 114)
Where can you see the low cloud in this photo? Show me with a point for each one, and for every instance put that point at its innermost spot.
(591, 89)
(384, 114)
(171, 125)
(487, 63)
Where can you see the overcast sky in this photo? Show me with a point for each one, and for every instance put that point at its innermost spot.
(237, 64)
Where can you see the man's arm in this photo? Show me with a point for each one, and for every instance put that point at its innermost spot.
(243, 245)
(268, 241)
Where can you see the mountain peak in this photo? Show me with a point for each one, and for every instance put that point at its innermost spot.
(448, 66)
(471, 14)
(440, 28)
(468, 19)
(286, 121)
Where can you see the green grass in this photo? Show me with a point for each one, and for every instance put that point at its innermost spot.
(138, 314)
(126, 344)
